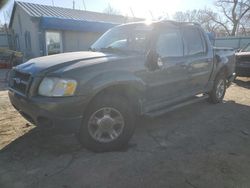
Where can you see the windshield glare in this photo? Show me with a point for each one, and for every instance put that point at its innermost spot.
(124, 38)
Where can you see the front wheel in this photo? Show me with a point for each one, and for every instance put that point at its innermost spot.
(219, 89)
(108, 124)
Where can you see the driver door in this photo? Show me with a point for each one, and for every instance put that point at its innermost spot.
(169, 80)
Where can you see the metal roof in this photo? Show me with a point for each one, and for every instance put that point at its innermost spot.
(37, 10)
(74, 25)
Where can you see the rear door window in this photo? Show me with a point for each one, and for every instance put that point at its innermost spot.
(194, 43)
(169, 43)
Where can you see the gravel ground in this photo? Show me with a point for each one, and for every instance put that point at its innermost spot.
(201, 145)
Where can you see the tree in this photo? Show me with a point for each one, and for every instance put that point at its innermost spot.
(198, 16)
(2, 3)
(233, 11)
(111, 10)
(231, 18)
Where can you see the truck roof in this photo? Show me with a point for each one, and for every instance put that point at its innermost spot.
(172, 22)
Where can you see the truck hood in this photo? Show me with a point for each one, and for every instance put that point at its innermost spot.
(53, 62)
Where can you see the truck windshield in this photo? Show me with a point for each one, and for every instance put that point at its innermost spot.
(129, 38)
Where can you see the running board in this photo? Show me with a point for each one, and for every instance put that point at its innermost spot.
(179, 105)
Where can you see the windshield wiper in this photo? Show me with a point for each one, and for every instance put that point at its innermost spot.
(117, 50)
(111, 49)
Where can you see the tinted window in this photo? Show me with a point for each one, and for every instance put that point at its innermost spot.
(169, 44)
(193, 41)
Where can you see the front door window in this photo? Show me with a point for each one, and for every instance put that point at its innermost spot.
(53, 42)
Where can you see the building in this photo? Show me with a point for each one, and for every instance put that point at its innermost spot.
(39, 30)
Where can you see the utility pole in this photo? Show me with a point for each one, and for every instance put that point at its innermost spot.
(73, 4)
(132, 12)
(5, 17)
(84, 5)
(238, 26)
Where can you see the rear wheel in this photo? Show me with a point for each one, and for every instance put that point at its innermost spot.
(219, 89)
(108, 124)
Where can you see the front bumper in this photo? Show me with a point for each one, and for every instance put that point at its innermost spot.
(63, 113)
(243, 71)
(242, 68)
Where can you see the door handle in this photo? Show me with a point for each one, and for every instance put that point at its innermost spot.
(186, 67)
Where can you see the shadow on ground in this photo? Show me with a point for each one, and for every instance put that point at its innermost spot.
(243, 82)
(201, 145)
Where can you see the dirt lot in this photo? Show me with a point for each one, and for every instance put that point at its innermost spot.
(201, 145)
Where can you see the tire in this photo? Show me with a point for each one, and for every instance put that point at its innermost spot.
(108, 125)
(219, 89)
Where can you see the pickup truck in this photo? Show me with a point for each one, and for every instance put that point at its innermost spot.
(243, 62)
(132, 70)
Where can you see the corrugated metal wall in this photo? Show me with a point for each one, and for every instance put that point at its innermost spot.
(232, 42)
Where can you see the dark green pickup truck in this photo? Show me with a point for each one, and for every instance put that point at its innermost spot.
(133, 69)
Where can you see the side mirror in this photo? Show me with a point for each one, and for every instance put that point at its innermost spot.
(152, 60)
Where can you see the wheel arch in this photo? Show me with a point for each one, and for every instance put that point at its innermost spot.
(131, 90)
(222, 65)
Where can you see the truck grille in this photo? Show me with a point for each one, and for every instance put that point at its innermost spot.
(20, 82)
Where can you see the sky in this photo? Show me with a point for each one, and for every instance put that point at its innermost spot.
(141, 8)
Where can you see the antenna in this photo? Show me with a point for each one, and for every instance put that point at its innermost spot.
(132, 12)
(53, 2)
(73, 4)
(84, 5)
(5, 16)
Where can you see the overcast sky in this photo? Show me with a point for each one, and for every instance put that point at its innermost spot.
(141, 8)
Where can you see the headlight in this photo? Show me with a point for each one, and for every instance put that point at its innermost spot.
(57, 87)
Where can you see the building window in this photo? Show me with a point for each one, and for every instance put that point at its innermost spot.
(27, 40)
(53, 42)
(17, 44)
(20, 24)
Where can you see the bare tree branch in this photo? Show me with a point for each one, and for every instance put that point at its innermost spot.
(111, 10)
(236, 9)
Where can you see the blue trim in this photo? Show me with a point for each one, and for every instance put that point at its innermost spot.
(74, 25)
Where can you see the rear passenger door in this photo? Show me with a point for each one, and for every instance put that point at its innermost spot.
(199, 58)
(169, 46)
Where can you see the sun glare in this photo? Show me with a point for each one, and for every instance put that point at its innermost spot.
(151, 9)
(148, 21)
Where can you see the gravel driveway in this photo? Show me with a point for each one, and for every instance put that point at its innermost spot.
(201, 145)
